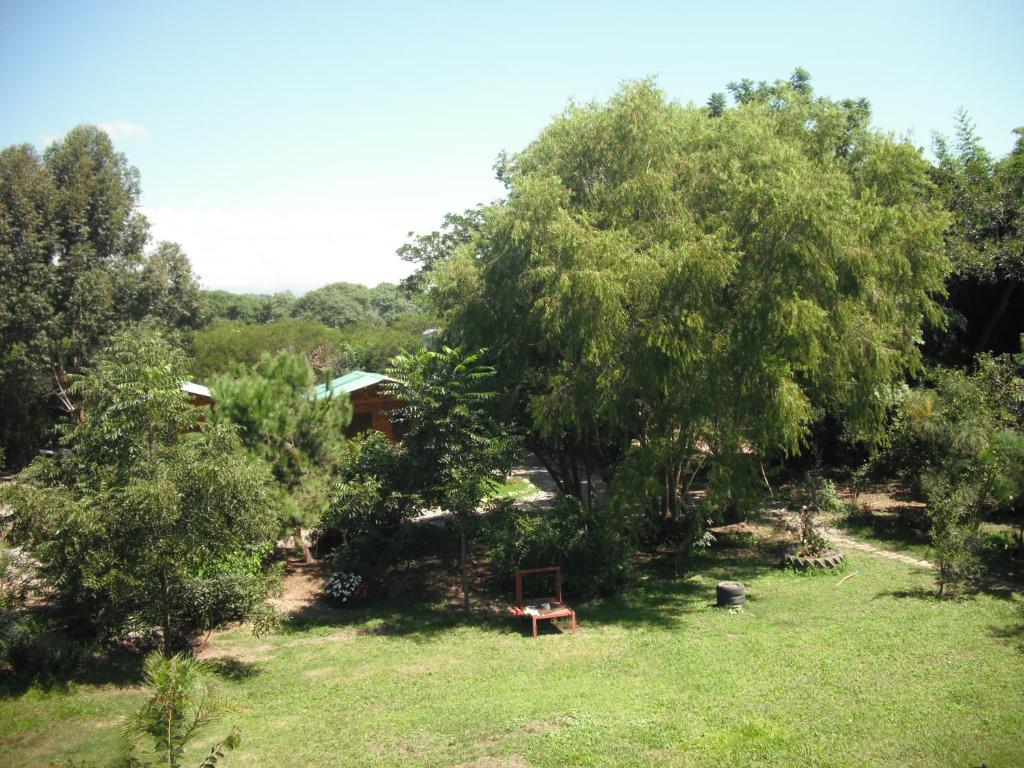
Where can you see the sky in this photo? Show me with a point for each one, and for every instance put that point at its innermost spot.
(289, 145)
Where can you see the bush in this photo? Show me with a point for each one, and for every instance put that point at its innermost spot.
(373, 497)
(954, 536)
(29, 648)
(147, 508)
(592, 545)
(815, 495)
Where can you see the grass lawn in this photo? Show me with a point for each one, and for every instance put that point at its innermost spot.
(810, 673)
(512, 488)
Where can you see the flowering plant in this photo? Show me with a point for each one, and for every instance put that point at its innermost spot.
(341, 586)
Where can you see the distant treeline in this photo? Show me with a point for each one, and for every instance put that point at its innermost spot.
(336, 305)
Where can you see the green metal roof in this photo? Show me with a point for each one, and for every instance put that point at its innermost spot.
(350, 382)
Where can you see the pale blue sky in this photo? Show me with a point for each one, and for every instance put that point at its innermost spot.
(288, 145)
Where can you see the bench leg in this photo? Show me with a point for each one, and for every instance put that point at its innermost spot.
(534, 627)
(574, 623)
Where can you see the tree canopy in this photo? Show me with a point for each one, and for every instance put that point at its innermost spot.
(299, 436)
(73, 273)
(986, 247)
(151, 518)
(698, 290)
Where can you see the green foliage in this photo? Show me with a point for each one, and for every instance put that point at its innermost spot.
(815, 496)
(453, 453)
(593, 545)
(367, 346)
(30, 649)
(960, 443)
(73, 274)
(245, 307)
(954, 536)
(700, 290)
(964, 431)
(335, 305)
(299, 436)
(428, 251)
(339, 305)
(374, 494)
(167, 290)
(152, 518)
(180, 706)
(985, 241)
(459, 448)
(222, 345)
(370, 346)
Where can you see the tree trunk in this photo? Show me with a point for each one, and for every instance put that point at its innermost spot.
(770, 491)
(300, 537)
(997, 313)
(465, 571)
(165, 600)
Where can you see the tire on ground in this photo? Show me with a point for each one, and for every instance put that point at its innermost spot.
(731, 593)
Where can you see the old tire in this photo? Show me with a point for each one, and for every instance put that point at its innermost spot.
(830, 558)
(731, 593)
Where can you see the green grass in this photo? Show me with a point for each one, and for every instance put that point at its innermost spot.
(810, 673)
(512, 488)
(999, 553)
(891, 532)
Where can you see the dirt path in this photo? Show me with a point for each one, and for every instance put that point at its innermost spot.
(787, 520)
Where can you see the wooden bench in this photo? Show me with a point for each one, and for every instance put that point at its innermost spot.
(536, 610)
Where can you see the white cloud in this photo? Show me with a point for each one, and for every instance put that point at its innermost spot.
(347, 231)
(119, 130)
(261, 250)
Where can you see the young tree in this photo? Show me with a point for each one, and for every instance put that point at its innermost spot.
(300, 436)
(151, 518)
(453, 438)
(697, 289)
(179, 707)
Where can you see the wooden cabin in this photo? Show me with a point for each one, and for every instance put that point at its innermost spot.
(370, 402)
(198, 395)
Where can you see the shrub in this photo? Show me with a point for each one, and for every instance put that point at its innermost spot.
(146, 507)
(592, 545)
(373, 497)
(816, 495)
(342, 586)
(29, 647)
(954, 537)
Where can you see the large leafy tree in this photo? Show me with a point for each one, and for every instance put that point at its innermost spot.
(150, 518)
(73, 273)
(27, 242)
(668, 289)
(301, 437)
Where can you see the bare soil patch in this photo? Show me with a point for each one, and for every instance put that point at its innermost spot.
(303, 585)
